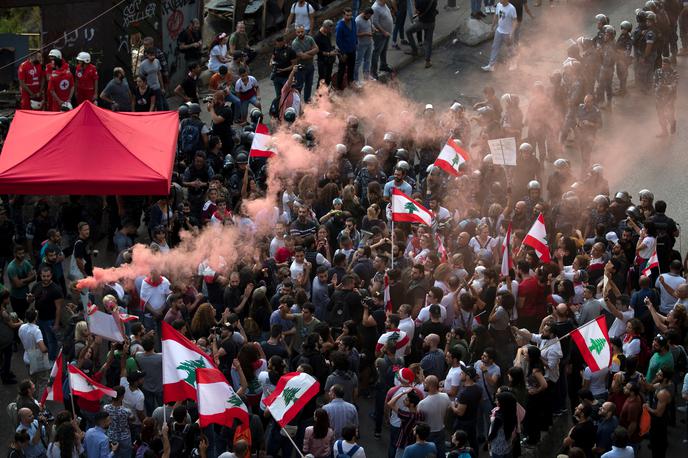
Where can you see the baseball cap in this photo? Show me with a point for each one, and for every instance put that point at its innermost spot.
(612, 237)
(405, 375)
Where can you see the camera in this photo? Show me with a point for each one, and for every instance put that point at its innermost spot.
(47, 415)
(208, 99)
(299, 67)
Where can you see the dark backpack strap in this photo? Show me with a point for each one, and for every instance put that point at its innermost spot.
(353, 450)
(339, 447)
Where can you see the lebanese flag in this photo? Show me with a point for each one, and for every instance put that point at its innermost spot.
(451, 157)
(53, 392)
(651, 264)
(292, 393)
(86, 388)
(217, 402)
(537, 239)
(387, 295)
(105, 325)
(180, 359)
(592, 340)
(440, 248)
(400, 336)
(263, 143)
(407, 210)
(507, 260)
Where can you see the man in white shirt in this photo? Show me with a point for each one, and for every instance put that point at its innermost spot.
(434, 408)
(32, 338)
(406, 323)
(393, 332)
(673, 279)
(503, 25)
(452, 382)
(434, 296)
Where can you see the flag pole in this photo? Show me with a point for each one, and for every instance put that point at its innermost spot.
(292, 441)
(71, 392)
(559, 339)
(392, 248)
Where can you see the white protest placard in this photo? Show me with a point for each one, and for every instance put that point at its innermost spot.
(503, 151)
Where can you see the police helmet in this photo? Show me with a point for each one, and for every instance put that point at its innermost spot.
(646, 194)
(488, 159)
(561, 164)
(609, 29)
(597, 169)
(601, 18)
(297, 138)
(4, 122)
(310, 133)
(401, 154)
(194, 108)
(247, 138)
(650, 5)
(228, 162)
(370, 158)
(341, 149)
(84, 57)
(601, 199)
(256, 115)
(242, 158)
(622, 197)
(290, 115)
(533, 184)
(506, 99)
(640, 16)
(403, 166)
(650, 16)
(576, 185)
(526, 148)
(568, 194)
(625, 25)
(183, 111)
(368, 150)
(633, 212)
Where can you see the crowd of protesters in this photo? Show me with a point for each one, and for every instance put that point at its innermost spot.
(468, 361)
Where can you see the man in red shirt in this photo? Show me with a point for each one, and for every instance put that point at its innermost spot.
(86, 79)
(60, 82)
(531, 297)
(31, 81)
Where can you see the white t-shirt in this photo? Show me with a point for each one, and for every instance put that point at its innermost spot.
(453, 379)
(29, 334)
(507, 17)
(424, 314)
(133, 400)
(667, 301)
(240, 86)
(216, 52)
(598, 380)
(408, 326)
(631, 348)
(650, 244)
(618, 327)
(302, 17)
(434, 408)
(155, 295)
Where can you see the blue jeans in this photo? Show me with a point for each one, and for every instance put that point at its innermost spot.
(476, 5)
(236, 104)
(500, 40)
(124, 449)
(393, 438)
(364, 53)
(244, 106)
(399, 25)
(304, 79)
(438, 439)
(49, 337)
(428, 28)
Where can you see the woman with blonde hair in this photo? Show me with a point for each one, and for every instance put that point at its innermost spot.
(203, 320)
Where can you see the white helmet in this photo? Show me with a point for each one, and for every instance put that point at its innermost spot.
(370, 158)
(84, 57)
(533, 184)
(66, 106)
(56, 53)
(36, 104)
(366, 150)
(297, 138)
(341, 149)
(525, 147)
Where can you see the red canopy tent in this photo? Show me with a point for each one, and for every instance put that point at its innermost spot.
(89, 151)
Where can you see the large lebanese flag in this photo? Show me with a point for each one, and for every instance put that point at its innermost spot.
(407, 210)
(217, 402)
(507, 260)
(537, 239)
(451, 157)
(592, 340)
(263, 143)
(180, 359)
(85, 387)
(53, 392)
(651, 264)
(106, 325)
(292, 393)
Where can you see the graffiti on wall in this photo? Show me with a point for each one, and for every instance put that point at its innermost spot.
(82, 37)
(138, 11)
(176, 16)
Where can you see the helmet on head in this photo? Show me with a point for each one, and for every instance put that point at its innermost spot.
(646, 194)
(601, 199)
(56, 53)
(650, 5)
(651, 16)
(256, 115)
(561, 164)
(633, 212)
(533, 184)
(526, 148)
(290, 115)
(368, 150)
(228, 162)
(183, 111)
(487, 159)
(456, 106)
(625, 25)
(597, 169)
(370, 158)
(84, 57)
(402, 154)
(640, 16)
(506, 99)
(403, 166)
(601, 18)
(310, 133)
(576, 185)
(352, 121)
(4, 122)
(194, 108)
(341, 149)
(247, 138)
(609, 29)
(297, 138)
(622, 197)
(242, 158)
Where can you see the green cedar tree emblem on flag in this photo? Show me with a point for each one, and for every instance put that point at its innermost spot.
(597, 345)
(190, 366)
(235, 400)
(455, 161)
(410, 207)
(289, 395)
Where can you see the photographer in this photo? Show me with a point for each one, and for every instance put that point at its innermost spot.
(36, 428)
(226, 339)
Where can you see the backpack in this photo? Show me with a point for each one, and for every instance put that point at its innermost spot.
(349, 454)
(178, 440)
(190, 136)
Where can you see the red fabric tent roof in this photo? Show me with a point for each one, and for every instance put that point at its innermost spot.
(89, 150)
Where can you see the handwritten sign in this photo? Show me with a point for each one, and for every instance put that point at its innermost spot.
(503, 151)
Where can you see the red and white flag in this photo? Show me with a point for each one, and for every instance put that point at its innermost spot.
(407, 210)
(592, 340)
(217, 402)
(387, 295)
(537, 239)
(180, 359)
(451, 157)
(85, 387)
(401, 338)
(507, 260)
(651, 264)
(441, 250)
(53, 392)
(106, 325)
(263, 143)
(292, 393)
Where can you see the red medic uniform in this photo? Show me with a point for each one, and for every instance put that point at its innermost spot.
(32, 75)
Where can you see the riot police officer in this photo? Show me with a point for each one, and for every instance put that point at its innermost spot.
(608, 61)
(644, 48)
(624, 54)
(665, 84)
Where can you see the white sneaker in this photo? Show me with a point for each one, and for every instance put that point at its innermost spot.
(487, 68)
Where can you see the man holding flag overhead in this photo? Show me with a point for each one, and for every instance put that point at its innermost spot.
(263, 143)
(537, 239)
(452, 157)
(407, 210)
